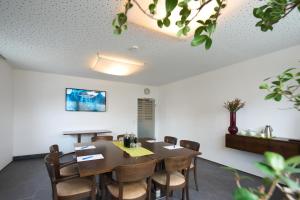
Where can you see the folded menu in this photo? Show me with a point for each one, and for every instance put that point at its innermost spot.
(90, 157)
(173, 147)
(150, 141)
(85, 147)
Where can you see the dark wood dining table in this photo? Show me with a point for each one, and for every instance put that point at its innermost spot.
(114, 156)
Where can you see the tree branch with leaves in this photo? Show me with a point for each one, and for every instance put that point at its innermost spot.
(274, 11)
(286, 84)
(278, 171)
(269, 14)
(202, 33)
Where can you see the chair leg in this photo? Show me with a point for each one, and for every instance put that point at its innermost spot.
(195, 178)
(93, 197)
(187, 192)
(183, 194)
(102, 184)
(167, 193)
(94, 189)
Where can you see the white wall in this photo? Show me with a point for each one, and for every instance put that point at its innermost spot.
(6, 114)
(193, 108)
(188, 109)
(40, 116)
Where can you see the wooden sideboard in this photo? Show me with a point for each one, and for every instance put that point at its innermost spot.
(85, 132)
(284, 146)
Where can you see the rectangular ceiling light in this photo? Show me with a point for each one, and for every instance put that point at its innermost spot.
(116, 66)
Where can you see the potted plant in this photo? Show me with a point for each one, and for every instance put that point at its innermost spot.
(233, 106)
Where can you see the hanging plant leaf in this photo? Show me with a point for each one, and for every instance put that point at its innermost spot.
(198, 40)
(171, 5)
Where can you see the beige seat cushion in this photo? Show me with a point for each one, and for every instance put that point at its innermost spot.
(73, 187)
(130, 190)
(176, 178)
(69, 170)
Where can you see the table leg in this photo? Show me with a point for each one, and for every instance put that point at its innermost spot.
(79, 138)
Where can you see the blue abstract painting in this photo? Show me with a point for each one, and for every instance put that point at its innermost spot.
(85, 100)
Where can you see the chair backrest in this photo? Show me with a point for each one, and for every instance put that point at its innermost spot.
(190, 145)
(102, 137)
(135, 172)
(54, 148)
(52, 165)
(171, 140)
(120, 136)
(179, 163)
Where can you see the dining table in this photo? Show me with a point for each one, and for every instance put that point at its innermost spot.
(114, 156)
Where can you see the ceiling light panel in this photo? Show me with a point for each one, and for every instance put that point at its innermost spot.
(116, 65)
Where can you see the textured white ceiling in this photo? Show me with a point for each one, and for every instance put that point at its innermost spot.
(63, 36)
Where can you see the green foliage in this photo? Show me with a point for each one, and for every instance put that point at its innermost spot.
(244, 194)
(278, 170)
(269, 14)
(275, 161)
(171, 5)
(152, 7)
(204, 31)
(273, 11)
(286, 84)
(266, 169)
(120, 22)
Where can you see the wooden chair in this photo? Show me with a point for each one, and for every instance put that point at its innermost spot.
(120, 136)
(133, 181)
(171, 140)
(71, 187)
(66, 168)
(175, 176)
(195, 146)
(55, 148)
(102, 138)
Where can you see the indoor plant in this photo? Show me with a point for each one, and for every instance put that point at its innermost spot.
(270, 13)
(277, 170)
(275, 167)
(286, 84)
(233, 106)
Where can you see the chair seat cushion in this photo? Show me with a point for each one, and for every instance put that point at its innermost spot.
(176, 178)
(74, 187)
(69, 170)
(130, 190)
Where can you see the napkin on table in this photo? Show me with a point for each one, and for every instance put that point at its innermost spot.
(85, 147)
(171, 147)
(150, 141)
(90, 157)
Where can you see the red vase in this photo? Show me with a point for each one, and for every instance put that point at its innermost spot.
(232, 128)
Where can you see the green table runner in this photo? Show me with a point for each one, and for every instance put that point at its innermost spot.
(133, 152)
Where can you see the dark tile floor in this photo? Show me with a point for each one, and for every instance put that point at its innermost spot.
(28, 180)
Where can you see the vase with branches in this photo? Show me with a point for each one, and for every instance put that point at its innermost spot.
(233, 106)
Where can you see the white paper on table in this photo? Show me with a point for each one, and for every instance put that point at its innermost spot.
(173, 147)
(151, 141)
(90, 157)
(85, 147)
